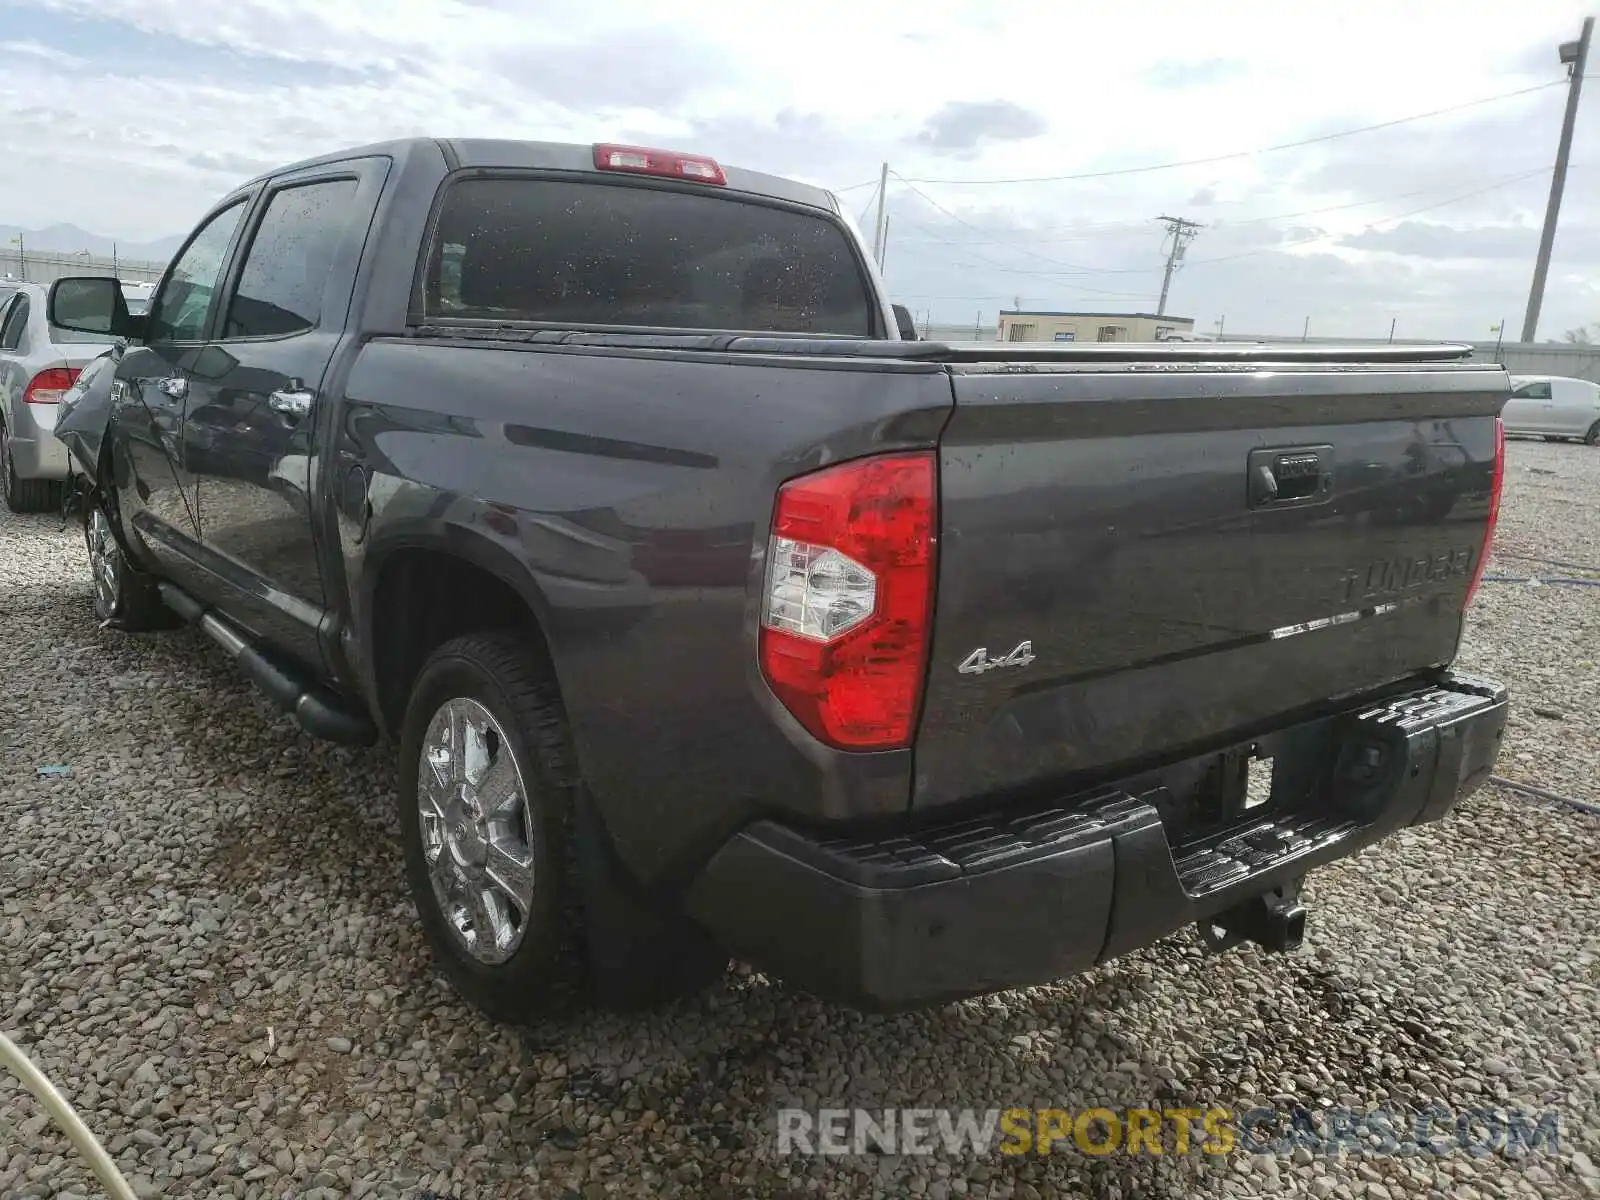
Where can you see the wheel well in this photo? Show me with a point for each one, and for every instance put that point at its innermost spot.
(422, 599)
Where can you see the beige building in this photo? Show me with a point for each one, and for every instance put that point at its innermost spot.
(1019, 326)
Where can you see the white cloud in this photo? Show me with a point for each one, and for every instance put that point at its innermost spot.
(34, 50)
(169, 102)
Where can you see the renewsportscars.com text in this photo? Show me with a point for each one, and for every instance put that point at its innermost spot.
(1435, 1131)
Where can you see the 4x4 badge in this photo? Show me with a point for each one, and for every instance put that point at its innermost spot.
(979, 661)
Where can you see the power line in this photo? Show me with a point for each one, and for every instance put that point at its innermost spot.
(1494, 184)
(861, 220)
(1273, 249)
(1492, 180)
(1011, 270)
(1088, 229)
(1216, 158)
(1322, 237)
(1071, 268)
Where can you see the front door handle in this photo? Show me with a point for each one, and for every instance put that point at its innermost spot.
(293, 402)
(175, 387)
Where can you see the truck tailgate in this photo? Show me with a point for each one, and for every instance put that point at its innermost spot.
(1191, 552)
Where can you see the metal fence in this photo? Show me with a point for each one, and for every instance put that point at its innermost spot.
(1529, 358)
(36, 266)
(1520, 358)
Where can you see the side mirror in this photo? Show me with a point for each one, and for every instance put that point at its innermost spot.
(90, 304)
(907, 327)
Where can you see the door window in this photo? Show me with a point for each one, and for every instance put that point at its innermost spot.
(178, 313)
(16, 321)
(1533, 391)
(286, 269)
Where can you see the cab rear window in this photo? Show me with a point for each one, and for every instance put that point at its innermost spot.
(588, 254)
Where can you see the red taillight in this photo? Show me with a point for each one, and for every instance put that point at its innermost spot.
(845, 623)
(48, 386)
(1495, 484)
(640, 160)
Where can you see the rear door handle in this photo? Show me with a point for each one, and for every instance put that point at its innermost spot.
(292, 402)
(1290, 476)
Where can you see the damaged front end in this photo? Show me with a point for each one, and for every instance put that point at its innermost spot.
(81, 422)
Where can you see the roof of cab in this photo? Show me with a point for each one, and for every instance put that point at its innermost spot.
(554, 156)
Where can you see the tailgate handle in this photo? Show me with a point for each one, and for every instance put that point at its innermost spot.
(1293, 476)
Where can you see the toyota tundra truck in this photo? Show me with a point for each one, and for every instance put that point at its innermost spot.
(713, 615)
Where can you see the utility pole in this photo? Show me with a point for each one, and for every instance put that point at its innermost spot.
(1576, 57)
(1393, 321)
(880, 226)
(1182, 232)
(1305, 334)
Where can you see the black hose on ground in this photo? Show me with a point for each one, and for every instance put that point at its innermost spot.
(1528, 789)
(1554, 562)
(1540, 579)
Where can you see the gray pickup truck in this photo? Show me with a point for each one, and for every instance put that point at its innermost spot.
(712, 615)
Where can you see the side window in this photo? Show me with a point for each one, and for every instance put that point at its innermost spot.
(1533, 391)
(178, 313)
(15, 323)
(286, 270)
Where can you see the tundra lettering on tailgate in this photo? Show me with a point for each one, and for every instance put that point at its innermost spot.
(1394, 576)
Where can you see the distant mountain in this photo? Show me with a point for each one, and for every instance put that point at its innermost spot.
(68, 239)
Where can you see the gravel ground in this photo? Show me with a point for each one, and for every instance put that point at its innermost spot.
(205, 942)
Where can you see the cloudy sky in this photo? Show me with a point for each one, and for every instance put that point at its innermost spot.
(128, 117)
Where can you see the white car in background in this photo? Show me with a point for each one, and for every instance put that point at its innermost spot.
(138, 297)
(1553, 407)
(38, 363)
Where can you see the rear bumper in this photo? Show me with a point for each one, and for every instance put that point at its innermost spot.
(1013, 900)
(36, 453)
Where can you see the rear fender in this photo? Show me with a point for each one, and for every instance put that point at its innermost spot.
(469, 541)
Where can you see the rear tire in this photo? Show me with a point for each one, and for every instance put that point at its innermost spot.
(25, 495)
(1593, 436)
(484, 712)
(124, 596)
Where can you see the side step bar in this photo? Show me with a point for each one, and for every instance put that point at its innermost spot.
(315, 709)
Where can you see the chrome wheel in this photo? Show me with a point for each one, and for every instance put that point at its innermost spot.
(477, 831)
(105, 563)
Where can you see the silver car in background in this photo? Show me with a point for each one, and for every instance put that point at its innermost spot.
(1553, 407)
(138, 296)
(38, 363)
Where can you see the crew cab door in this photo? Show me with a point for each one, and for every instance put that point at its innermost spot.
(254, 400)
(1528, 409)
(1573, 406)
(155, 492)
